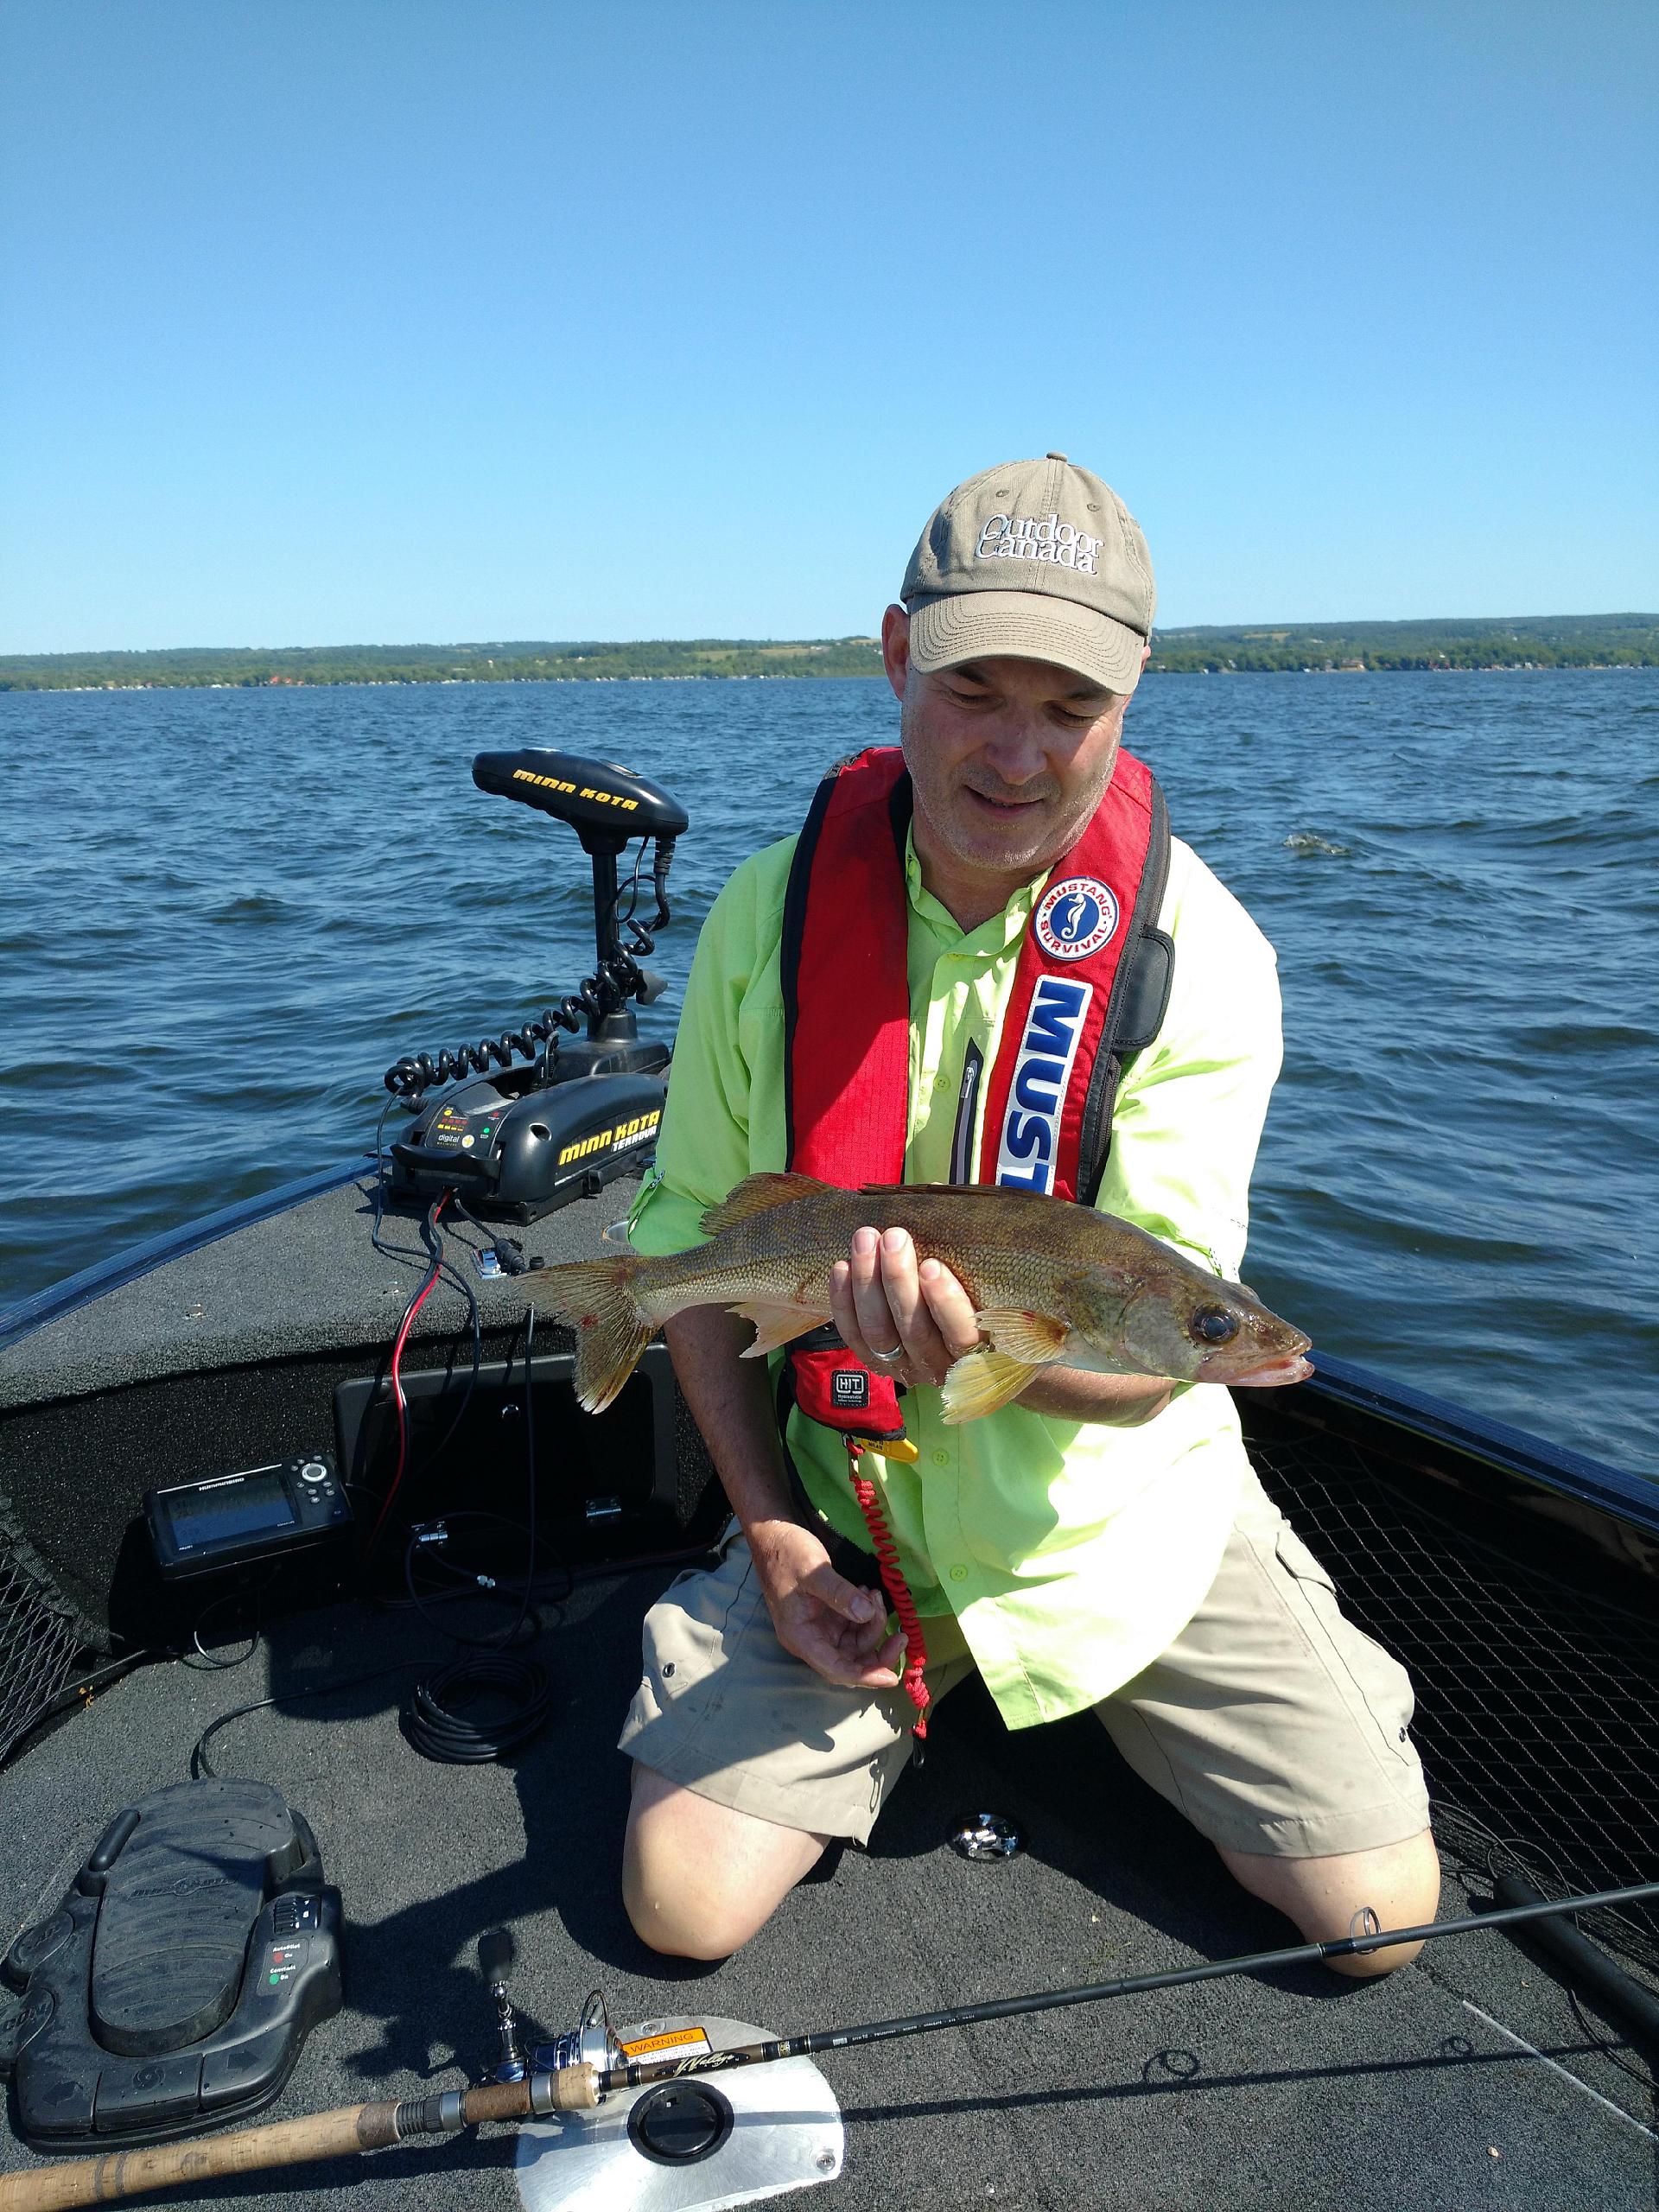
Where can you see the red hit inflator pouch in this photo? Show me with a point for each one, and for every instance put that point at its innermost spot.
(834, 1387)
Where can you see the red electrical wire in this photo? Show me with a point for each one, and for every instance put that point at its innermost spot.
(898, 1590)
(404, 1327)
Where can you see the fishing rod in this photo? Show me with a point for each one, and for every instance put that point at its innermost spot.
(578, 2082)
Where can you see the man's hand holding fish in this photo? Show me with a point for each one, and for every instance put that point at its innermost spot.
(914, 1319)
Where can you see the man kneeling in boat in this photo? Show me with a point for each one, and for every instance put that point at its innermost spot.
(938, 982)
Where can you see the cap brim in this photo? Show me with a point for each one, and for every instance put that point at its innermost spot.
(1026, 626)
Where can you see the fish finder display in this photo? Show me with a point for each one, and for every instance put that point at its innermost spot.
(234, 1509)
(229, 1519)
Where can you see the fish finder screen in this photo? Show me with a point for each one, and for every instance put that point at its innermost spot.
(244, 1509)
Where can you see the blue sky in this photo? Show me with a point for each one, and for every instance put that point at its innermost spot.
(336, 320)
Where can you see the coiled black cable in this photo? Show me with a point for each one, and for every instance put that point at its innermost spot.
(613, 983)
(436, 1723)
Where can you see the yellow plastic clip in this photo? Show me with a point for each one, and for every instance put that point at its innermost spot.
(890, 1448)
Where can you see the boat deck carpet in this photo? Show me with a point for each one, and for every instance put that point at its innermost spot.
(1465, 2080)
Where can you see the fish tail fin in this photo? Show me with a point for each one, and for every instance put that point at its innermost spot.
(595, 1300)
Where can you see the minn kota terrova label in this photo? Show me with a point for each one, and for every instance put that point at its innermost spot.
(622, 1138)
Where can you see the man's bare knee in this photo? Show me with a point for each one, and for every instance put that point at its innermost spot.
(698, 1878)
(1399, 1882)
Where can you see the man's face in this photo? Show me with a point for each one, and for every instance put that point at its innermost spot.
(1009, 758)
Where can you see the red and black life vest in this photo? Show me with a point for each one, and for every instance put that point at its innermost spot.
(1091, 987)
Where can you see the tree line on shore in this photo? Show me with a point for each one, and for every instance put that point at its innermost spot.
(1540, 641)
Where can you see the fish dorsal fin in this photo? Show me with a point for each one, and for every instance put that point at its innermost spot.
(759, 1194)
(1034, 1338)
(983, 1382)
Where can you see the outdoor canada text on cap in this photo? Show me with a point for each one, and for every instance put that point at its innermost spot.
(1037, 559)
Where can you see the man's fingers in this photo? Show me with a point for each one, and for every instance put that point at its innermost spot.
(880, 1300)
(842, 1597)
(866, 1270)
(844, 1313)
(823, 1656)
(951, 1308)
(902, 1288)
(852, 1678)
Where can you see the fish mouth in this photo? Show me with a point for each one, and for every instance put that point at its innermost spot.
(1295, 1369)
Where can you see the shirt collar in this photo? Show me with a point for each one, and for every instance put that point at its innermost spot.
(994, 936)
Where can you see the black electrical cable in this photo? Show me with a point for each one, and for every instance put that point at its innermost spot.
(511, 1253)
(449, 1272)
(202, 1768)
(438, 1268)
(387, 1251)
(202, 1661)
(435, 1717)
(427, 1543)
(207, 1663)
(458, 1276)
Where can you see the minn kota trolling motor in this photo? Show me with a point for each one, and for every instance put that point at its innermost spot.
(515, 1141)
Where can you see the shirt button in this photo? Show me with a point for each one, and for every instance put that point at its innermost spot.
(959, 1574)
(941, 1458)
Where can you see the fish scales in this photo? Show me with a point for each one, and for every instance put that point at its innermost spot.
(785, 1253)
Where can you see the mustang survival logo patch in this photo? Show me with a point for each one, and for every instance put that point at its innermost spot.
(1076, 918)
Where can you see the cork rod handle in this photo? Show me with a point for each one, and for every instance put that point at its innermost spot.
(341, 2133)
(117, 2174)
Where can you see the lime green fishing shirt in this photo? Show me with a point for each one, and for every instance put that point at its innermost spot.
(1072, 1553)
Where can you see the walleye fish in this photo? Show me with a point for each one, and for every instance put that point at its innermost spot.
(1052, 1282)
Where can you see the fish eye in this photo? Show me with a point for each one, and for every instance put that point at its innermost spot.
(1214, 1324)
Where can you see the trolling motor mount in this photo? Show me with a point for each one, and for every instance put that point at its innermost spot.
(515, 1141)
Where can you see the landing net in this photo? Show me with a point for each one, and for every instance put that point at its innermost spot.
(40, 1637)
(1537, 1706)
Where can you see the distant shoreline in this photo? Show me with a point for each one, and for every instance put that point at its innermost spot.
(440, 682)
(1452, 646)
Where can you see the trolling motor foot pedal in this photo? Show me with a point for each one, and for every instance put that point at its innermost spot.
(174, 1988)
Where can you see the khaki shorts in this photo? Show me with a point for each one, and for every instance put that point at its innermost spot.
(1271, 1722)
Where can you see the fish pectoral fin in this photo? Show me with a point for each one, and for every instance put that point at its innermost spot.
(775, 1325)
(983, 1382)
(1034, 1338)
(759, 1194)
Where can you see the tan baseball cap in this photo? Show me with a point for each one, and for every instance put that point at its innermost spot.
(1038, 559)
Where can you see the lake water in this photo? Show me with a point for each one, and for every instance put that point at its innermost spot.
(224, 914)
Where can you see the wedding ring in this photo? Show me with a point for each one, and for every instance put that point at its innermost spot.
(887, 1359)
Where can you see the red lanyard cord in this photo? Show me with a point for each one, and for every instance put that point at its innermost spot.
(898, 1590)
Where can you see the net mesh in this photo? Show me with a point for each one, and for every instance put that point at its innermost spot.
(1537, 1706)
(40, 1640)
